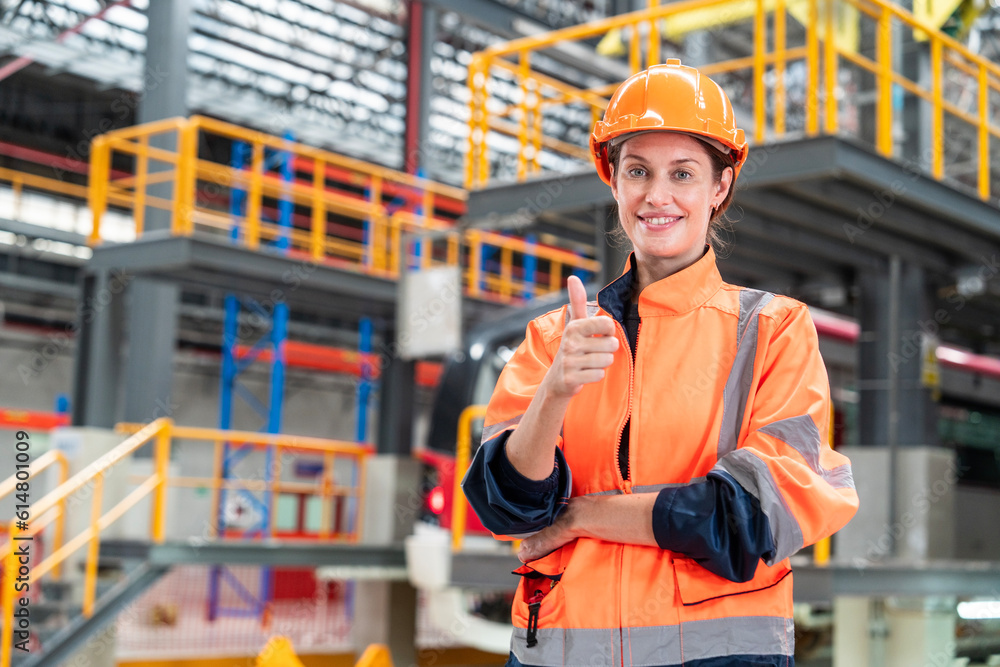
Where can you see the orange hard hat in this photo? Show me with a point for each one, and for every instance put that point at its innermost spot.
(669, 97)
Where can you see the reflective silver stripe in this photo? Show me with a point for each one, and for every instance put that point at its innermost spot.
(658, 645)
(557, 647)
(715, 638)
(741, 635)
(800, 433)
(737, 390)
(646, 488)
(752, 474)
(492, 431)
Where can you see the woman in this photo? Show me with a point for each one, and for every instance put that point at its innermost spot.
(661, 449)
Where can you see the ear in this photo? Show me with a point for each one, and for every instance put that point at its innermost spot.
(722, 187)
(614, 182)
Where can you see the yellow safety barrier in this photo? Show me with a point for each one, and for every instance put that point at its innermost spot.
(90, 481)
(285, 446)
(821, 552)
(278, 653)
(376, 655)
(463, 453)
(826, 47)
(52, 506)
(18, 180)
(500, 285)
(341, 209)
(39, 465)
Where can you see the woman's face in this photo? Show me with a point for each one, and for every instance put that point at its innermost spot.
(666, 191)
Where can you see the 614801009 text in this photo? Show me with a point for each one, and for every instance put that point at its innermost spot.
(21, 540)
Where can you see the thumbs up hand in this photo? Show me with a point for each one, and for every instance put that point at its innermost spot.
(587, 347)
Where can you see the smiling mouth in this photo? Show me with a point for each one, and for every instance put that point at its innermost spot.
(659, 221)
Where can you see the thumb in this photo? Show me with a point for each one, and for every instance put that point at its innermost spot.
(577, 298)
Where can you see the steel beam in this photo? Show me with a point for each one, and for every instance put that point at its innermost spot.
(275, 553)
(74, 635)
(38, 232)
(841, 160)
(33, 285)
(510, 23)
(216, 265)
(869, 206)
(492, 571)
(518, 204)
(831, 229)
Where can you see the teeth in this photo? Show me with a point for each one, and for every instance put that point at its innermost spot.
(659, 221)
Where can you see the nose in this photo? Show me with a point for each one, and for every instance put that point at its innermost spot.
(659, 193)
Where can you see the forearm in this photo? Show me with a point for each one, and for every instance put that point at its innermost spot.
(627, 518)
(531, 447)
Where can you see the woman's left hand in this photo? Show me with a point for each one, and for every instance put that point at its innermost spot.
(564, 530)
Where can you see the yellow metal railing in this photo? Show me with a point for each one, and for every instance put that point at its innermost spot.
(342, 210)
(11, 485)
(827, 46)
(286, 447)
(459, 505)
(19, 180)
(52, 507)
(90, 481)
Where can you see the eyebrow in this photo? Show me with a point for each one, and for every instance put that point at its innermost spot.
(644, 159)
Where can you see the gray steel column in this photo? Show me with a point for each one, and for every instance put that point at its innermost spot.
(97, 361)
(165, 93)
(890, 358)
(397, 387)
(153, 306)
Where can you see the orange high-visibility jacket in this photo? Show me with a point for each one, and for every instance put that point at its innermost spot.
(727, 385)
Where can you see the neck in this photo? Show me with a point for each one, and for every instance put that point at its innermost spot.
(650, 270)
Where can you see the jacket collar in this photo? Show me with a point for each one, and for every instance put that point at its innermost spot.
(677, 293)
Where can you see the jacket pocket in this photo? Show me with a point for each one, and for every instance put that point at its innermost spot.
(695, 584)
(537, 597)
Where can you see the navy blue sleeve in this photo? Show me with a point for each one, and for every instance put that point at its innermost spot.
(716, 523)
(507, 502)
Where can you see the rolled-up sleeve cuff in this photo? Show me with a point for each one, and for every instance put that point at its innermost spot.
(515, 485)
(507, 502)
(716, 523)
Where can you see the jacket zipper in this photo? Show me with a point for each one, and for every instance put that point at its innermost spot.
(631, 381)
(627, 483)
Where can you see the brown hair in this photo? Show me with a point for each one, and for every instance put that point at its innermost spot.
(718, 222)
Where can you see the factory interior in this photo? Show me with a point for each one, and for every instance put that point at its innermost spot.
(263, 261)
